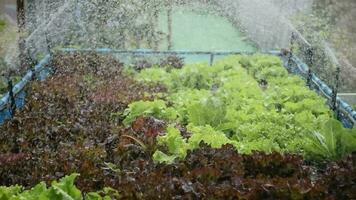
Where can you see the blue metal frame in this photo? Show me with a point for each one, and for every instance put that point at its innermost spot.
(346, 114)
(18, 89)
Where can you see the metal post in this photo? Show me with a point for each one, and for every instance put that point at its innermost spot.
(156, 22)
(21, 20)
(291, 48)
(310, 63)
(211, 59)
(310, 56)
(335, 91)
(309, 78)
(32, 63)
(11, 96)
(169, 22)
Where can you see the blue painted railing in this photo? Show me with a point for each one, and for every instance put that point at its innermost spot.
(39, 72)
(346, 114)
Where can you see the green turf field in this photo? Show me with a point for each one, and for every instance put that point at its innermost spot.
(202, 31)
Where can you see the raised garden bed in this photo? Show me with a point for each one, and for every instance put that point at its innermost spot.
(242, 128)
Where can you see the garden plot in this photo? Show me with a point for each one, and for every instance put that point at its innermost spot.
(242, 128)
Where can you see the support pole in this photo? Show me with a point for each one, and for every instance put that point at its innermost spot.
(169, 23)
(309, 78)
(310, 63)
(310, 56)
(21, 19)
(32, 63)
(48, 43)
(335, 91)
(155, 24)
(211, 59)
(291, 49)
(10, 87)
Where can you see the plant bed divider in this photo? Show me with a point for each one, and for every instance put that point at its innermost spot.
(344, 111)
(18, 90)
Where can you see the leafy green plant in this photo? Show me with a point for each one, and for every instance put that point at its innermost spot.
(184, 98)
(153, 75)
(208, 135)
(175, 143)
(6, 193)
(228, 97)
(161, 157)
(332, 142)
(208, 111)
(157, 109)
(106, 194)
(192, 76)
(178, 146)
(63, 189)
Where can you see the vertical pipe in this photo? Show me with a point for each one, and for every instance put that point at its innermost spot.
(21, 31)
(150, 32)
(335, 91)
(292, 40)
(11, 96)
(211, 59)
(309, 78)
(48, 42)
(310, 56)
(77, 18)
(20, 14)
(169, 23)
(155, 21)
(310, 63)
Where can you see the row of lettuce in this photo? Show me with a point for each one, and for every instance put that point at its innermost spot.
(58, 190)
(250, 102)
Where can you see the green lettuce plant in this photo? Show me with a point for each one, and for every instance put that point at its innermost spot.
(154, 75)
(331, 142)
(228, 98)
(64, 189)
(178, 146)
(157, 109)
(174, 141)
